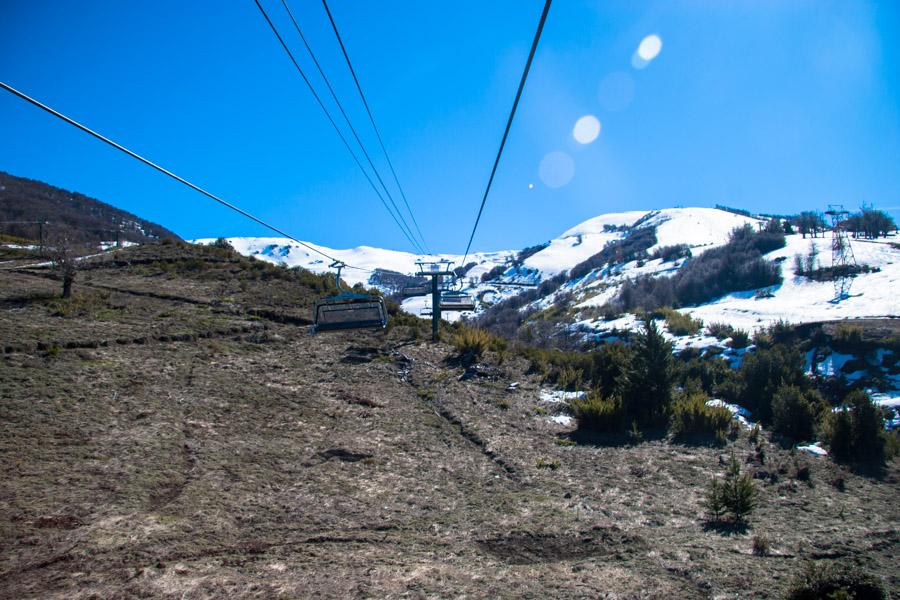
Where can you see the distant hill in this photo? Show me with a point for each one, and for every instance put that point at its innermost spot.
(78, 217)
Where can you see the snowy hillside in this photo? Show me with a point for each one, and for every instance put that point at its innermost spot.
(283, 251)
(797, 300)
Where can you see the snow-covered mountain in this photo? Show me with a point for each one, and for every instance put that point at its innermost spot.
(797, 300)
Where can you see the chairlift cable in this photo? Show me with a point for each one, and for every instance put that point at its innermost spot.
(331, 120)
(534, 44)
(372, 120)
(340, 106)
(163, 170)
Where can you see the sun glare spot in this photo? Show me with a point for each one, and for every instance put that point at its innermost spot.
(648, 49)
(530, 186)
(556, 169)
(586, 129)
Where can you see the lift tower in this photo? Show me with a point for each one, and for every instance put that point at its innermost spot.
(436, 271)
(842, 259)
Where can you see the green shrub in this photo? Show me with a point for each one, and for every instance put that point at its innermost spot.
(570, 378)
(795, 413)
(543, 463)
(835, 582)
(719, 330)
(847, 336)
(735, 495)
(471, 343)
(598, 414)
(739, 339)
(610, 365)
(763, 372)
(855, 433)
(691, 416)
(761, 545)
(682, 324)
(634, 434)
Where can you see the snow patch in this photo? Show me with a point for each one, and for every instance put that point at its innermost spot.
(813, 449)
(740, 414)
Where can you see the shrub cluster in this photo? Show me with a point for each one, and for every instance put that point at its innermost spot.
(795, 412)
(679, 323)
(632, 247)
(670, 253)
(692, 417)
(855, 433)
(829, 580)
(599, 414)
(736, 266)
(720, 331)
(471, 343)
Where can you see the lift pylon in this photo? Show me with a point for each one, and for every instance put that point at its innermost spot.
(436, 270)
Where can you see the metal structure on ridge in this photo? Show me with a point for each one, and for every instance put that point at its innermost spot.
(842, 259)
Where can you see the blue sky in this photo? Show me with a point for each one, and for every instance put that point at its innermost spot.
(768, 105)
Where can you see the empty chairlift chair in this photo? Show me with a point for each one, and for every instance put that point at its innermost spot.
(411, 291)
(348, 310)
(457, 301)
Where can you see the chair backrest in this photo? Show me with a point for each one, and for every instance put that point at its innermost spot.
(411, 291)
(457, 301)
(349, 312)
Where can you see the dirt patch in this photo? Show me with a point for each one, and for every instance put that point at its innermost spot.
(522, 548)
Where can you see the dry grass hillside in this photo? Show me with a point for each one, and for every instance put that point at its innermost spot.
(174, 431)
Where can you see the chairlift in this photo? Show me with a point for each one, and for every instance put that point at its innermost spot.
(411, 291)
(348, 310)
(456, 301)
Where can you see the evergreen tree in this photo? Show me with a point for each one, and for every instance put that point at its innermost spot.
(650, 380)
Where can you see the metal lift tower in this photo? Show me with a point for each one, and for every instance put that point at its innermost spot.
(842, 258)
(437, 271)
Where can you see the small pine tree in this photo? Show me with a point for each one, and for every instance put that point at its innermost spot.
(739, 492)
(651, 377)
(735, 496)
(715, 501)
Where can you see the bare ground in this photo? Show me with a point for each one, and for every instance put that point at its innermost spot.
(166, 440)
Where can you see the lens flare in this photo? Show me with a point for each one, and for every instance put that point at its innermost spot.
(586, 129)
(649, 48)
(556, 169)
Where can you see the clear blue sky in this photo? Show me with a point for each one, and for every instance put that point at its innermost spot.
(769, 105)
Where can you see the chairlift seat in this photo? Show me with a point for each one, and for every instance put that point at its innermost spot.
(349, 311)
(454, 301)
(411, 291)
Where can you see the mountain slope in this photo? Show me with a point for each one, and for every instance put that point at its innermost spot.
(798, 299)
(175, 432)
(79, 218)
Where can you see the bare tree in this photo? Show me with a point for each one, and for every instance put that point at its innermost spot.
(65, 261)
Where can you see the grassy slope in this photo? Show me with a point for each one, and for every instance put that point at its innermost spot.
(252, 460)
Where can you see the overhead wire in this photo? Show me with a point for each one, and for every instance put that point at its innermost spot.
(372, 120)
(333, 123)
(340, 106)
(534, 44)
(165, 171)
